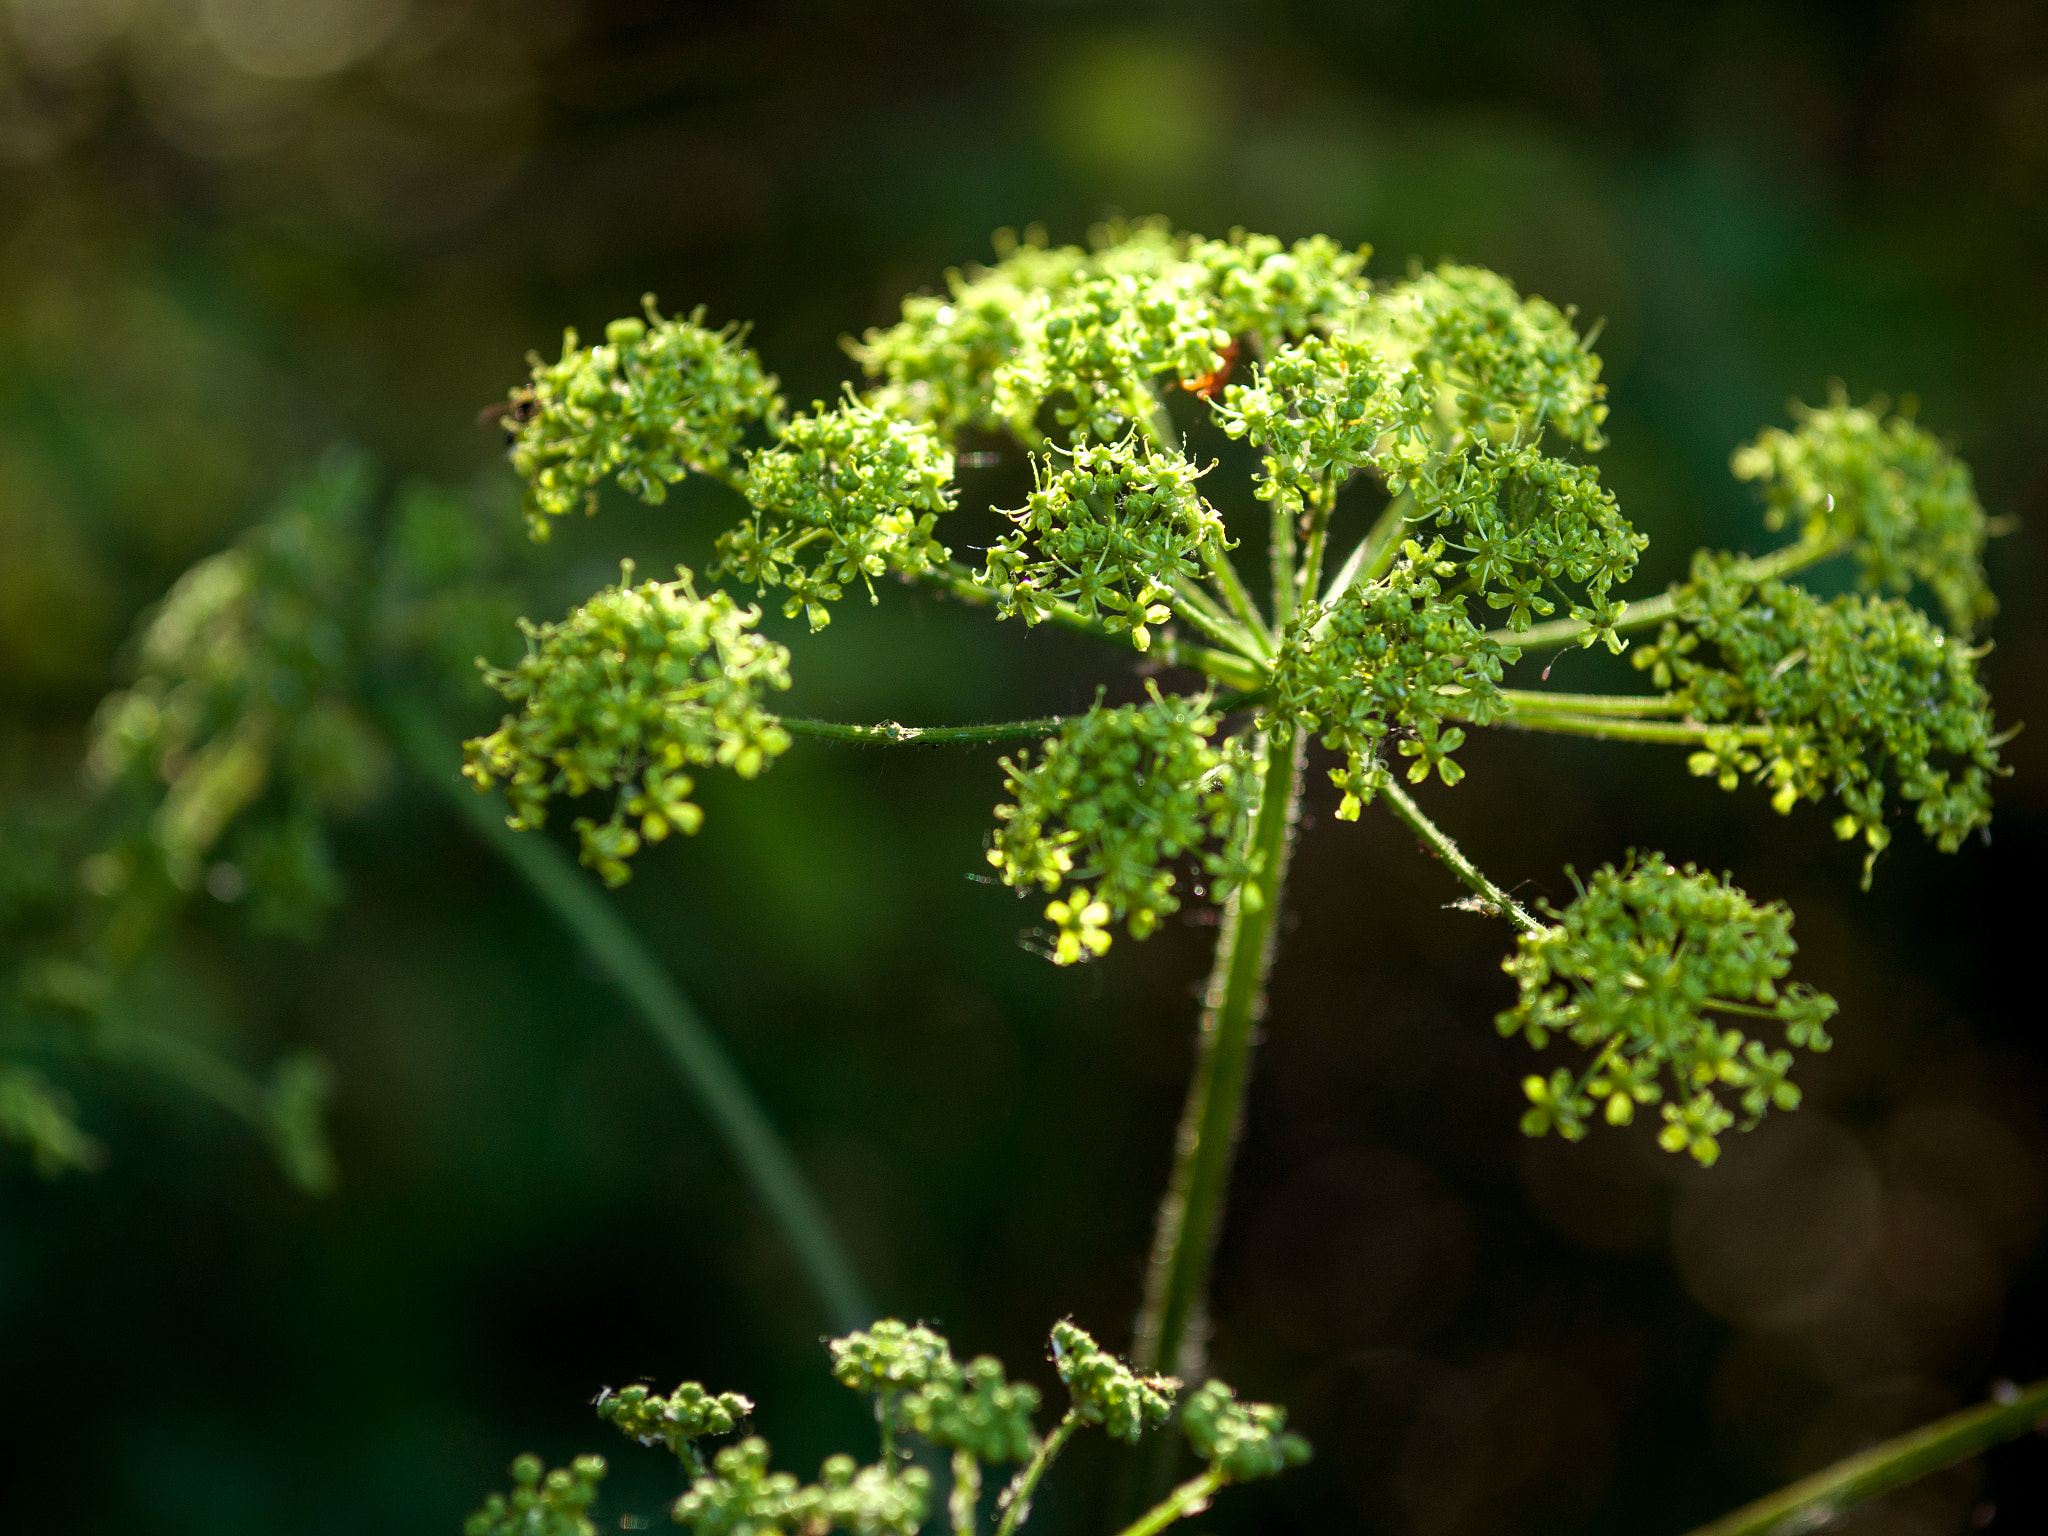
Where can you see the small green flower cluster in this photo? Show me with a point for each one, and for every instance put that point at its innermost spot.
(1110, 803)
(845, 495)
(1894, 494)
(1832, 696)
(1088, 333)
(634, 687)
(1632, 970)
(556, 1503)
(742, 1497)
(1111, 530)
(1243, 1441)
(1527, 523)
(1501, 367)
(921, 1389)
(657, 399)
(242, 727)
(1107, 1392)
(1320, 410)
(678, 1421)
(1392, 655)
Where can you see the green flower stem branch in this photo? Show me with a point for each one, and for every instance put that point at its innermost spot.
(1815, 1503)
(1618, 727)
(1190, 1498)
(890, 734)
(702, 1063)
(1016, 1499)
(1495, 901)
(1191, 1212)
(1238, 670)
(1655, 610)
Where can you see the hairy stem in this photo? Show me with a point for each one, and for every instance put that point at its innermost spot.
(1236, 594)
(702, 1063)
(1207, 615)
(1654, 610)
(1619, 704)
(1184, 1241)
(1016, 1499)
(889, 734)
(1190, 1498)
(1439, 842)
(1280, 554)
(1817, 1502)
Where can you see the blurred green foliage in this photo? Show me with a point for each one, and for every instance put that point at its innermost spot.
(228, 242)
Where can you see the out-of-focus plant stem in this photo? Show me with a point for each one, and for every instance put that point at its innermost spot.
(574, 900)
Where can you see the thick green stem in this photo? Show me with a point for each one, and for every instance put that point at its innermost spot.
(1190, 1498)
(1655, 610)
(889, 734)
(1016, 1499)
(706, 1070)
(1184, 1242)
(1818, 1502)
(1498, 901)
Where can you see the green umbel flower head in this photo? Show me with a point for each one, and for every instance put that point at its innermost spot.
(1243, 1441)
(1894, 494)
(1105, 1390)
(555, 1504)
(1848, 697)
(1635, 970)
(657, 399)
(847, 495)
(1111, 530)
(632, 689)
(1109, 804)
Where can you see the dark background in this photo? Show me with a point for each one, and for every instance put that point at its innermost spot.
(227, 241)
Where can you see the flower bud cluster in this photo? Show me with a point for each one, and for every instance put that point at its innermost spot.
(1526, 523)
(1244, 1441)
(1105, 1391)
(1086, 335)
(1633, 970)
(1893, 493)
(1392, 656)
(1500, 367)
(742, 1497)
(677, 1421)
(920, 1389)
(1321, 410)
(655, 400)
(844, 496)
(556, 1503)
(1110, 803)
(635, 687)
(1110, 530)
(1851, 694)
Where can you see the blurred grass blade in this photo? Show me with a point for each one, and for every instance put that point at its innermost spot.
(706, 1070)
(1818, 1502)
